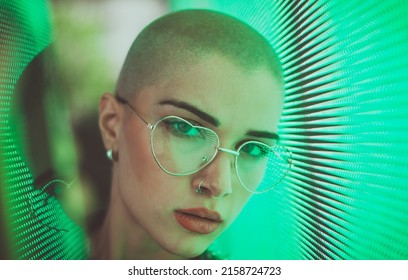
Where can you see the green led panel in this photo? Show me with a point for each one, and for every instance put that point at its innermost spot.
(345, 121)
(33, 224)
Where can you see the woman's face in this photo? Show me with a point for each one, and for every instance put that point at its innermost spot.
(230, 101)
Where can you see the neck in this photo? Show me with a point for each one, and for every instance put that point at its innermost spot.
(115, 241)
(121, 237)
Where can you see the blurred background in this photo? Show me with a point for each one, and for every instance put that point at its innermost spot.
(344, 120)
(91, 41)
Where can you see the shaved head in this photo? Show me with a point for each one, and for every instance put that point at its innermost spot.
(178, 40)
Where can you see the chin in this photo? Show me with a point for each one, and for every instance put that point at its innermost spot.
(188, 249)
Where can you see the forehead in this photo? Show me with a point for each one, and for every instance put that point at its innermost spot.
(240, 99)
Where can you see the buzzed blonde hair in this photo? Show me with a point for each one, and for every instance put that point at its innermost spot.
(180, 39)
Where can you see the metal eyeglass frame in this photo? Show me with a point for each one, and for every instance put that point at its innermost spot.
(208, 161)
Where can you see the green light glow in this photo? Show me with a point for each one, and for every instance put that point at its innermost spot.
(346, 196)
(345, 122)
(35, 218)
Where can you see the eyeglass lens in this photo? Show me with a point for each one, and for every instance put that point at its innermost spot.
(180, 148)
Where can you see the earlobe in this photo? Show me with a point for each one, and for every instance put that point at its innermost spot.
(110, 119)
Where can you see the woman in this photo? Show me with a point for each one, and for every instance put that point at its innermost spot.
(191, 132)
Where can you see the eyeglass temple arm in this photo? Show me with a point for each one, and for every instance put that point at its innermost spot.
(124, 102)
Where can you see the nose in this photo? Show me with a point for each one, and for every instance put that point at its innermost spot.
(216, 178)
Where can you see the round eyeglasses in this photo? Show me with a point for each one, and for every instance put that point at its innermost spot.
(181, 148)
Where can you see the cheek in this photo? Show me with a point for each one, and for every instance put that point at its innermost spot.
(236, 202)
(141, 177)
(138, 169)
(244, 196)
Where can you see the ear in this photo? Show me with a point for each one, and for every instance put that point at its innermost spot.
(110, 120)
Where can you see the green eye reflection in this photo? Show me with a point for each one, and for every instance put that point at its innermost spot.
(254, 149)
(182, 128)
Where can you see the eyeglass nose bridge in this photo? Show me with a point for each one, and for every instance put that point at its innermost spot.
(232, 152)
(229, 151)
(208, 159)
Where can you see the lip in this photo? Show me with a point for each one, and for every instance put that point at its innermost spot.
(199, 220)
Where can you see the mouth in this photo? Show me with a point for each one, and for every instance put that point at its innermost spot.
(199, 220)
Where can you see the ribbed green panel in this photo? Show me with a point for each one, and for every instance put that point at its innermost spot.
(345, 121)
(37, 226)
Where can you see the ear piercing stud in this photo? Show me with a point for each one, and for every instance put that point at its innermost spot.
(109, 154)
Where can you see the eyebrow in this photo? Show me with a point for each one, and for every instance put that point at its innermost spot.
(193, 109)
(263, 134)
(214, 121)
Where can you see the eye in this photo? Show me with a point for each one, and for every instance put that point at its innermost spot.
(254, 149)
(182, 128)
